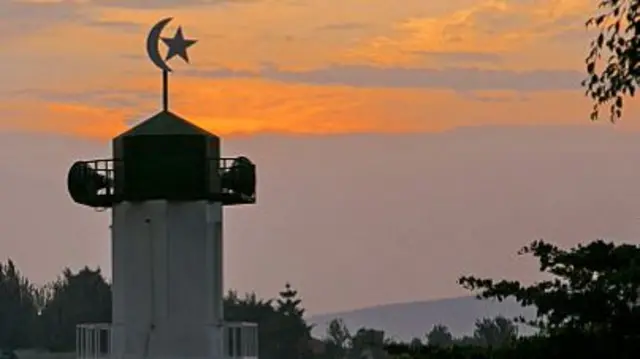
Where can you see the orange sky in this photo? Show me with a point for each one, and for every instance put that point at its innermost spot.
(297, 66)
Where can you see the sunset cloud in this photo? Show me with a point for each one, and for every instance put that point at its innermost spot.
(457, 79)
(333, 66)
(487, 27)
(163, 4)
(247, 106)
(20, 18)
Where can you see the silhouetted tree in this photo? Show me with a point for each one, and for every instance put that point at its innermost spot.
(338, 339)
(613, 61)
(18, 311)
(43, 295)
(368, 343)
(439, 336)
(295, 334)
(282, 330)
(595, 289)
(415, 343)
(495, 332)
(83, 297)
(465, 340)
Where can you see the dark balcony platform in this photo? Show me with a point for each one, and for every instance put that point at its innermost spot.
(103, 183)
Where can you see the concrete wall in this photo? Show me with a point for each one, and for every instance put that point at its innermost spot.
(167, 279)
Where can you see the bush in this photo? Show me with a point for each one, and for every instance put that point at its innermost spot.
(559, 346)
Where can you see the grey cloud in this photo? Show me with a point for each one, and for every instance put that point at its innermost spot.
(21, 18)
(107, 98)
(459, 79)
(569, 20)
(573, 36)
(495, 98)
(160, 4)
(461, 57)
(493, 22)
(343, 26)
(126, 26)
(132, 56)
(37, 11)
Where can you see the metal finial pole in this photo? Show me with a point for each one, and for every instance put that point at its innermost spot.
(165, 90)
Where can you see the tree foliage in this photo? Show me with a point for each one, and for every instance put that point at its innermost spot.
(18, 311)
(338, 339)
(76, 298)
(495, 332)
(613, 61)
(439, 336)
(561, 346)
(282, 330)
(488, 332)
(294, 333)
(368, 342)
(46, 317)
(588, 308)
(594, 288)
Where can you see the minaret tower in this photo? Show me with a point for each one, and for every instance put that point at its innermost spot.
(166, 187)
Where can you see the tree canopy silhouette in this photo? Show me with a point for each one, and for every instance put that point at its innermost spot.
(613, 60)
(594, 288)
(338, 339)
(76, 298)
(439, 336)
(294, 333)
(495, 332)
(18, 310)
(283, 332)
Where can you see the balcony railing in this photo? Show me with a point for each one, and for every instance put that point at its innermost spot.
(94, 341)
(241, 340)
(102, 183)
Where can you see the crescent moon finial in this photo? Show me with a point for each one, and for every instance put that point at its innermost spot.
(152, 44)
(177, 46)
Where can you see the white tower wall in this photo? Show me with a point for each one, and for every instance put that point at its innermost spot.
(167, 280)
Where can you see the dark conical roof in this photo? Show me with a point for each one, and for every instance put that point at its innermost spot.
(166, 123)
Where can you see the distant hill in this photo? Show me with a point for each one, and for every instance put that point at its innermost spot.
(405, 321)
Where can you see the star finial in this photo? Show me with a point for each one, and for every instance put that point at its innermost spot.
(178, 45)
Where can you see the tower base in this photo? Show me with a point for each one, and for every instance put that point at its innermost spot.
(94, 341)
(167, 280)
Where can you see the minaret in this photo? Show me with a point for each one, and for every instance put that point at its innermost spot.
(166, 185)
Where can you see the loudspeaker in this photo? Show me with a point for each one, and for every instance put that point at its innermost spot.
(84, 183)
(240, 177)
